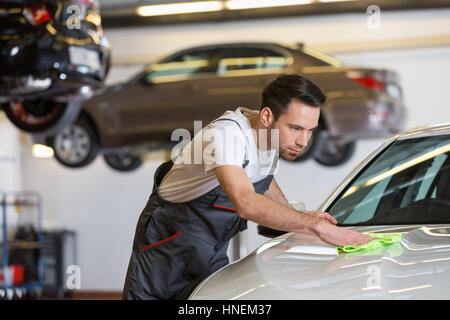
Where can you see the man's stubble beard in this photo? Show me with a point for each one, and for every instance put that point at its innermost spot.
(281, 150)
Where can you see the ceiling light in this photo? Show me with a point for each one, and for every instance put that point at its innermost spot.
(179, 8)
(334, 0)
(42, 151)
(252, 4)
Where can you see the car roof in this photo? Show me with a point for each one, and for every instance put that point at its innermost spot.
(279, 45)
(243, 44)
(425, 131)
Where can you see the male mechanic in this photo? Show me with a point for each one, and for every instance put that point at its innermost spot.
(196, 207)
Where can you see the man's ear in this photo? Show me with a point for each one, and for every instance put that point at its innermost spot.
(266, 116)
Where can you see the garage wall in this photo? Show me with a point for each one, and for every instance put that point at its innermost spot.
(10, 178)
(102, 206)
(133, 43)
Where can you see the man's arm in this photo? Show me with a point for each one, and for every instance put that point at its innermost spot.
(274, 193)
(262, 210)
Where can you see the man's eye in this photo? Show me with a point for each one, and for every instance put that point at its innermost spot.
(295, 129)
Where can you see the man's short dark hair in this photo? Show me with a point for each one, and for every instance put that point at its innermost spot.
(280, 92)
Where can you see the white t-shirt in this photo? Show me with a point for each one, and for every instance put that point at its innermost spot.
(220, 143)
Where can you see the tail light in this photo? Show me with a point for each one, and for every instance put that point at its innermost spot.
(367, 81)
(36, 14)
(90, 3)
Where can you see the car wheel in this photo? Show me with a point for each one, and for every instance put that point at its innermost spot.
(76, 145)
(313, 144)
(42, 116)
(333, 154)
(123, 161)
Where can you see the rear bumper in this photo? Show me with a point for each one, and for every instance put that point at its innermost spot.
(377, 119)
(73, 87)
(38, 60)
(36, 71)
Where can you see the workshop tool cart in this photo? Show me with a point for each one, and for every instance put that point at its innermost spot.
(21, 268)
(58, 252)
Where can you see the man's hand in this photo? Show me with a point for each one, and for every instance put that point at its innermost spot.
(321, 215)
(340, 236)
(335, 235)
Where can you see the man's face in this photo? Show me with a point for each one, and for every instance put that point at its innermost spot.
(295, 128)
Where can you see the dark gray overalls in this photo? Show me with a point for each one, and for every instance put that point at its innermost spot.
(177, 245)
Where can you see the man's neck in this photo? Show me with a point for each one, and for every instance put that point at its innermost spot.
(255, 124)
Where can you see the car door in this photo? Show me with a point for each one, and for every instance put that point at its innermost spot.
(243, 72)
(168, 96)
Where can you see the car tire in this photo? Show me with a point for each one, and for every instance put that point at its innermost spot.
(122, 161)
(44, 117)
(313, 144)
(76, 145)
(332, 154)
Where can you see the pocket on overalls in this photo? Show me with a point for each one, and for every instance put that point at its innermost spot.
(159, 267)
(224, 203)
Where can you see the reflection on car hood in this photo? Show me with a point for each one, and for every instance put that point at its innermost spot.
(299, 266)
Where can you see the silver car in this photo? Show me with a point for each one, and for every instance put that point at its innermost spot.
(401, 187)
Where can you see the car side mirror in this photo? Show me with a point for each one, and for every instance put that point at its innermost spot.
(268, 232)
(145, 82)
(298, 205)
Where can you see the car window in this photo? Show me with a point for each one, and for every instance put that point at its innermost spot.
(184, 66)
(408, 183)
(255, 59)
(320, 58)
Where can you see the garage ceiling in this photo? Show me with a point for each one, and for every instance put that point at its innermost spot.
(124, 13)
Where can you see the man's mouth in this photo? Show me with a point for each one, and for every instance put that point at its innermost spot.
(296, 151)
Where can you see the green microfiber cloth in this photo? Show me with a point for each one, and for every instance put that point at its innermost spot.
(393, 250)
(386, 239)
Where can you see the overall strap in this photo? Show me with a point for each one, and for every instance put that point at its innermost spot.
(246, 161)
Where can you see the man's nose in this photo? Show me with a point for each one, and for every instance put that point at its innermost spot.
(302, 139)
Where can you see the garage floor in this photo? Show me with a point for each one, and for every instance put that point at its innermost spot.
(95, 295)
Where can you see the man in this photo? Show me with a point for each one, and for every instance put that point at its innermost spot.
(196, 206)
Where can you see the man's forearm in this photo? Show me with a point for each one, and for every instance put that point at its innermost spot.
(260, 209)
(265, 211)
(274, 193)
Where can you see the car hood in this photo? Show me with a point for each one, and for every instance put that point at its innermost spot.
(300, 266)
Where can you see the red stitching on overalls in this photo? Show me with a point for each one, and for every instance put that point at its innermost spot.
(162, 241)
(217, 206)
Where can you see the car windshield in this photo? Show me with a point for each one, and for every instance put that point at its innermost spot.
(407, 183)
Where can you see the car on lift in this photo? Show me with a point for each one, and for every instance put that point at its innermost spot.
(53, 55)
(402, 187)
(201, 83)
